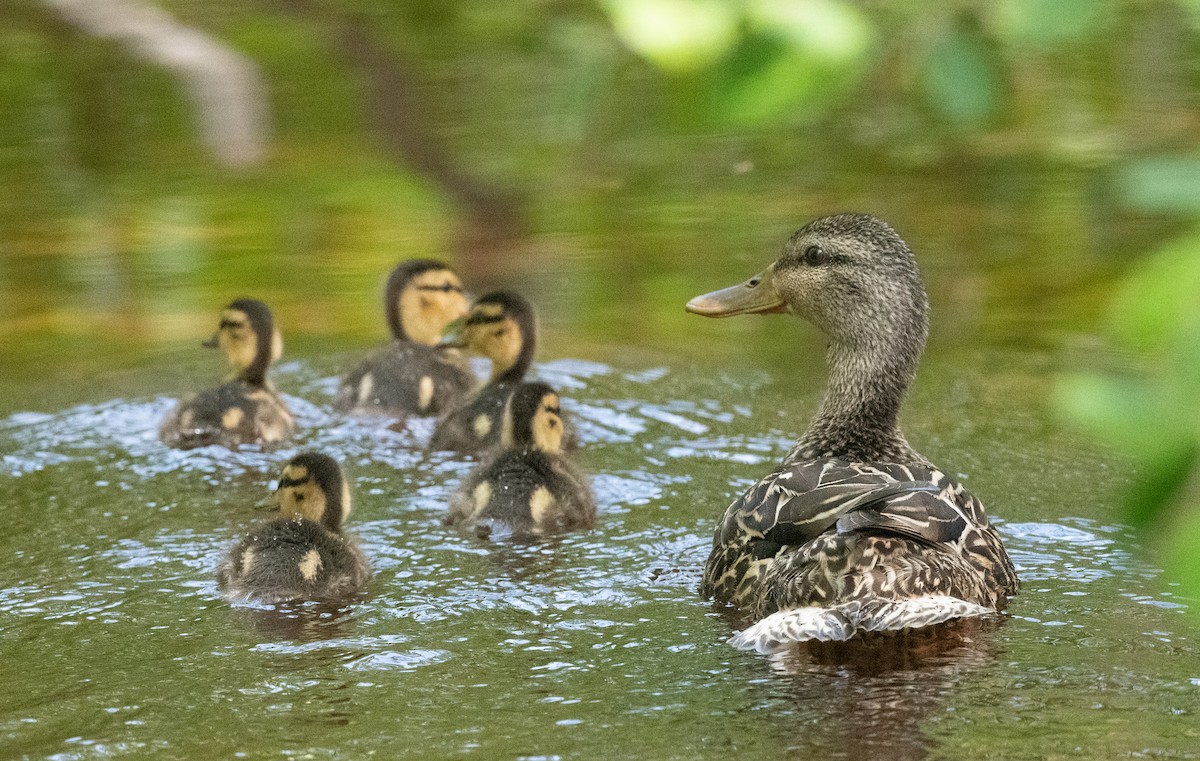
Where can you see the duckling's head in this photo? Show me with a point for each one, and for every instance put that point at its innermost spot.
(248, 338)
(423, 296)
(851, 275)
(311, 486)
(532, 419)
(502, 327)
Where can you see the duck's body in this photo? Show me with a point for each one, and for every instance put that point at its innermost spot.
(304, 555)
(502, 327)
(855, 530)
(529, 488)
(246, 409)
(413, 375)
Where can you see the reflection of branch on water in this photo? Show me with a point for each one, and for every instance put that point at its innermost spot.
(872, 697)
(396, 107)
(224, 85)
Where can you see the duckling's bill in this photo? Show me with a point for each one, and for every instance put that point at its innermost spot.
(755, 296)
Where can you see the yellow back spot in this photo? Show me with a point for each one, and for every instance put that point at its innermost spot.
(365, 387)
(247, 560)
(310, 564)
(232, 418)
(541, 502)
(482, 426)
(482, 495)
(424, 392)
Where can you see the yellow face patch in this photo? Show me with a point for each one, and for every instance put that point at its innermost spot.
(430, 302)
(498, 341)
(295, 473)
(236, 339)
(302, 500)
(548, 425)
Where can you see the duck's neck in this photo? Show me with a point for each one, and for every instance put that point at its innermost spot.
(857, 419)
(514, 371)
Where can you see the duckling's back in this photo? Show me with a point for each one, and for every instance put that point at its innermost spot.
(293, 560)
(233, 413)
(524, 493)
(407, 378)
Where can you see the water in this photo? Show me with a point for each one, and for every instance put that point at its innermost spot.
(116, 642)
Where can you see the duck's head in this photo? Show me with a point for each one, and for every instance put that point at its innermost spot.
(423, 296)
(248, 338)
(851, 275)
(311, 486)
(532, 419)
(502, 327)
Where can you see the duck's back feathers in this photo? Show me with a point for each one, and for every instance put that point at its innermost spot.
(292, 559)
(829, 533)
(475, 426)
(231, 414)
(407, 378)
(524, 493)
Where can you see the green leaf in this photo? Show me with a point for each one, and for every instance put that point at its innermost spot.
(796, 58)
(675, 35)
(1159, 302)
(1161, 184)
(1049, 23)
(961, 77)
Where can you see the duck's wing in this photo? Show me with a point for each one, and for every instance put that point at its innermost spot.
(801, 501)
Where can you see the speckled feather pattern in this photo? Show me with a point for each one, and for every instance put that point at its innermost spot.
(855, 530)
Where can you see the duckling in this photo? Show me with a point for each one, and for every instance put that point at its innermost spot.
(855, 531)
(530, 487)
(502, 327)
(304, 555)
(413, 375)
(246, 409)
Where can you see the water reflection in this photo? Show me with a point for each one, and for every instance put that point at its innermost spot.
(875, 695)
(302, 622)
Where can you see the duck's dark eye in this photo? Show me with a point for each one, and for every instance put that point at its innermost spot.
(814, 255)
(754, 281)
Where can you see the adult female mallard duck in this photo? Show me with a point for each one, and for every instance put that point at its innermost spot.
(246, 409)
(413, 375)
(856, 530)
(530, 487)
(500, 326)
(304, 555)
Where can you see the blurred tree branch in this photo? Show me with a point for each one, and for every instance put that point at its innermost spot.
(224, 85)
(394, 101)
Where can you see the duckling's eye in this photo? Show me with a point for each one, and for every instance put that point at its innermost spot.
(498, 332)
(815, 255)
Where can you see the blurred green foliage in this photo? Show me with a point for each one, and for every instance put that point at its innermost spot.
(1031, 150)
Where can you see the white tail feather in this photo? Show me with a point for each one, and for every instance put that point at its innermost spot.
(784, 628)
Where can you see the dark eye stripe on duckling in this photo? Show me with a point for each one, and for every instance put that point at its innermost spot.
(447, 288)
(484, 319)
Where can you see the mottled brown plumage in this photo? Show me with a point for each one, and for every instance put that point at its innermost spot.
(855, 530)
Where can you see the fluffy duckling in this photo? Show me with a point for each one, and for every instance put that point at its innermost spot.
(246, 409)
(530, 487)
(855, 531)
(500, 326)
(304, 555)
(413, 375)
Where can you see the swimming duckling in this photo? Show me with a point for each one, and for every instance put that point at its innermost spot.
(500, 326)
(304, 555)
(855, 531)
(530, 487)
(246, 409)
(413, 375)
